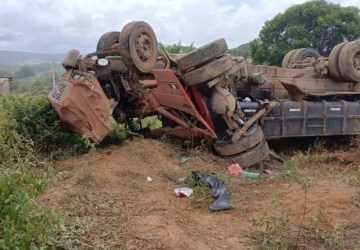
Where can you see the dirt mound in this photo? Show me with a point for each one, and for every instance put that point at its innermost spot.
(109, 191)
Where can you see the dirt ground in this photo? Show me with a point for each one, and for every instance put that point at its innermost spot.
(109, 193)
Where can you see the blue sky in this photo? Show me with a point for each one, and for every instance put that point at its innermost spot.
(59, 25)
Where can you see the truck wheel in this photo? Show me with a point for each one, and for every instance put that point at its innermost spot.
(209, 71)
(305, 54)
(251, 138)
(334, 61)
(138, 47)
(286, 61)
(252, 156)
(107, 40)
(349, 61)
(202, 54)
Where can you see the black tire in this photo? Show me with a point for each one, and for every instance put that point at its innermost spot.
(138, 47)
(334, 61)
(108, 40)
(202, 54)
(286, 60)
(304, 54)
(252, 156)
(251, 138)
(209, 71)
(349, 61)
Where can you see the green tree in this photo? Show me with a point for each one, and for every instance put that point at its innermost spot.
(25, 71)
(242, 50)
(177, 48)
(317, 24)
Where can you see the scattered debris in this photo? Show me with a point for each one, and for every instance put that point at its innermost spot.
(184, 159)
(267, 171)
(181, 179)
(149, 179)
(218, 191)
(235, 169)
(250, 175)
(183, 192)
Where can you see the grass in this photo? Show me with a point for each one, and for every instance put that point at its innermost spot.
(276, 230)
(32, 137)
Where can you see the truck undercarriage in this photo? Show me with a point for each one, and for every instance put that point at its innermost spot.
(208, 94)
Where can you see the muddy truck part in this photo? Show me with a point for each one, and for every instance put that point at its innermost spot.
(208, 94)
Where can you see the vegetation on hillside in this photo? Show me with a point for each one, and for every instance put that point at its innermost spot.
(317, 24)
(32, 137)
(242, 50)
(16, 58)
(35, 84)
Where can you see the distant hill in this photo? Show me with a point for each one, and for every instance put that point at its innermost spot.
(19, 58)
(242, 50)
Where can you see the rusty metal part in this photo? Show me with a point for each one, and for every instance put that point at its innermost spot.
(138, 46)
(239, 132)
(321, 67)
(81, 104)
(203, 54)
(170, 94)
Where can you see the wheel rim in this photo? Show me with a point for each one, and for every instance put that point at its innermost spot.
(144, 47)
(138, 47)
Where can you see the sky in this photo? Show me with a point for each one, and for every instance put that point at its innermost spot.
(55, 26)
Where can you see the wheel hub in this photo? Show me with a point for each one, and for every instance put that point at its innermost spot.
(143, 47)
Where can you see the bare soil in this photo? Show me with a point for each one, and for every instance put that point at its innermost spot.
(108, 191)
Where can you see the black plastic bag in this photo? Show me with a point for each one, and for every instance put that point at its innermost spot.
(218, 191)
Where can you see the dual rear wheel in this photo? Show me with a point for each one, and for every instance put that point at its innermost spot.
(250, 149)
(344, 61)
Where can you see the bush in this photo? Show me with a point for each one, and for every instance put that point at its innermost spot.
(34, 120)
(31, 134)
(22, 224)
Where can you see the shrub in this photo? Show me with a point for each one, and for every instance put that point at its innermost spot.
(35, 121)
(31, 134)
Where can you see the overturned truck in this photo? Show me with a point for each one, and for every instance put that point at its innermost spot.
(207, 94)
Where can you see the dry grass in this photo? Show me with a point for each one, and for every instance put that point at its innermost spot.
(121, 210)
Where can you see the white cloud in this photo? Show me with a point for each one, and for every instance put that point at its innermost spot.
(58, 25)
